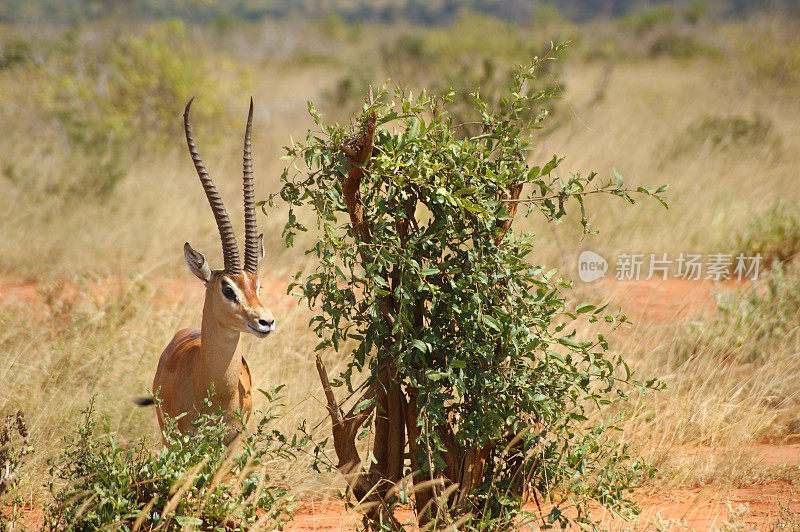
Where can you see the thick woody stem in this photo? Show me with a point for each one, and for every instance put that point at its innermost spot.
(358, 151)
(397, 435)
(390, 434)
(511, 201)
(424, 493)
(511, 206)
(389, 444)
(344, 430)
(369, 486)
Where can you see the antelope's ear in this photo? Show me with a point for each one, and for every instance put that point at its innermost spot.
(260, 248)
(197, 263)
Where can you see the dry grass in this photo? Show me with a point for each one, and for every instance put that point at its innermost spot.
(55, 355)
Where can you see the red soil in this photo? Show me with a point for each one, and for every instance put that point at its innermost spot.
(167, 292)
(762, 507)
(671, 299)
(758, 507)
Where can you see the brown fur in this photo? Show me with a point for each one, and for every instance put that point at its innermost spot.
(198, 359)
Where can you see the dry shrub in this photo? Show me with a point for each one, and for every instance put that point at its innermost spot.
(723, 135)
(773, 233)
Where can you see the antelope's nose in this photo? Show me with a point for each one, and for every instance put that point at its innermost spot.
(267, 324)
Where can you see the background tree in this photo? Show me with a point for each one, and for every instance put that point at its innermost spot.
(477, 391)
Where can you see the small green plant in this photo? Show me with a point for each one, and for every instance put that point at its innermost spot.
(471, 356)
(448, 59)
(648, 19)
(695, 12)
(768, 49)
(788, 519)
(16, 53)
(774, 234)
(195, 481)
(679, 45)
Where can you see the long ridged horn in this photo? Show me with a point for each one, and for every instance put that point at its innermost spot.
(251, 242)
(230, 249)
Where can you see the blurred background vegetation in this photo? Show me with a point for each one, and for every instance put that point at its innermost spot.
(430, 12)
(92, 92)
(97, 186)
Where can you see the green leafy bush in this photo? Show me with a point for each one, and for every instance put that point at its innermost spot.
(195, 480)
(470, 354)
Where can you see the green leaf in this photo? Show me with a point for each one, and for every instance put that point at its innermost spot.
(618, 178)
(435, 375)
(363, 405)
(419, 344)
(549, 167)
(185, 521)
(491, 322)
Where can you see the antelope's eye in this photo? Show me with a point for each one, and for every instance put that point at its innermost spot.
(228, 292)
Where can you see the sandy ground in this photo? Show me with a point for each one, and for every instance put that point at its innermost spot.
(761, 507)
(670, 299)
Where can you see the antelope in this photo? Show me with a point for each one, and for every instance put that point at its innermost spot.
(199, 360)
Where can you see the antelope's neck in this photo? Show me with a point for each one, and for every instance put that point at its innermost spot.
(221, 359)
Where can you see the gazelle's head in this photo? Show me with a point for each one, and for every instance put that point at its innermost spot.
(233, 295)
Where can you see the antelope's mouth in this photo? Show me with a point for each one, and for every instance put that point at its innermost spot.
(261, 333)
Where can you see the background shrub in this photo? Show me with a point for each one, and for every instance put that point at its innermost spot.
(441, 59)
(120, 101)
(748, 321)
(773, 233)
(724, 134)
